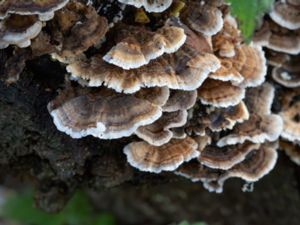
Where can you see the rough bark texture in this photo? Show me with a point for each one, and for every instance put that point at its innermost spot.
(33, 151)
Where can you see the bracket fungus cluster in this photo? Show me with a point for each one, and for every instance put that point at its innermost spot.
(187, 91)
(280, 34)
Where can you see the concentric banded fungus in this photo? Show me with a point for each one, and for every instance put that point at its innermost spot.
(156, 95)
(256, 165)
(163, 158)
(278, 38)
(203, 17)
(226, 157)
(180, 100)
(138, 46)
(149, 5)
(229, 38)
(258, 129)
(44, 9)
(226, 118)
(259, 99)
(286, 15)
(246, 68)
(286, 78)
(76, 28)
(227, 72)
(101, 113)
(220, 94)
(19, 30)
(184, 70)
(196, 41)
(159, 133)
(253, 68)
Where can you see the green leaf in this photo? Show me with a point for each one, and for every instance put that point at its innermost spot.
(249, 13)
(20, 208)
(78, 211)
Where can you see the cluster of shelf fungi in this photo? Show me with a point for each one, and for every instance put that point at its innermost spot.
(195, 98)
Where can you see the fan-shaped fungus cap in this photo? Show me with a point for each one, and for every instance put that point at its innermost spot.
(159, 133)
(220, 94)
(77, 27)
(149, 5)
(226, 157)
(184, 70)
(180, 100)
(138, 46)
(203, 18)
(196, 41)
(257, 164)
(168, 157)
(227, 72)
(156, 95)
(291, 121)
(250, 61)
(226, 118)
(44, 9)
(225, 41)
(258, 129)
(19, 30)
(259, 99)
(286, 78)
(101, 113)
(292, 150)
(277, 38)
(286, 15)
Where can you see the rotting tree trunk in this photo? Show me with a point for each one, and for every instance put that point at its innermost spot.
(33, 151)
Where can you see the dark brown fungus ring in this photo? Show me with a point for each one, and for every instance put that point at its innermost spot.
(286, 78)
(156, 159)
(149, 5)
(138, 46)
(19, 30)
(44, 9)
(203, 17)
(102, 113)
